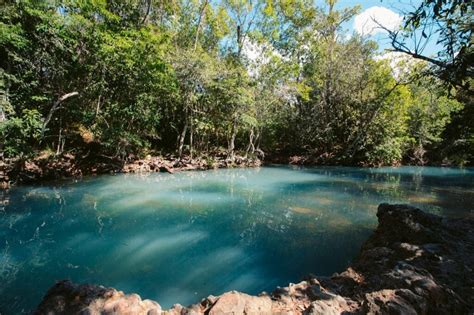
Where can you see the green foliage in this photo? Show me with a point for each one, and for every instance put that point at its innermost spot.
(19, 134)
(194, 77)
(134, 85)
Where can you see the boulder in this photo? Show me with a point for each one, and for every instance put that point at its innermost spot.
(414, 263)
(240, 303)
(68, 298)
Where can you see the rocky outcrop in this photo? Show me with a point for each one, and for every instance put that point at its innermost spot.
(67, 298)
(171, 164)
(414, 263)
(67, 165)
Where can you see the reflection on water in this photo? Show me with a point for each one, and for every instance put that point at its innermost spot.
(180, 237)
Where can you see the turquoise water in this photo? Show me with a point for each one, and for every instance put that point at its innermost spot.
(177, 238)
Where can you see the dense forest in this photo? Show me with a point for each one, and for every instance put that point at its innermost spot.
(131, 78)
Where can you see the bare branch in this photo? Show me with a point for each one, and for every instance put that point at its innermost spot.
(54, 108)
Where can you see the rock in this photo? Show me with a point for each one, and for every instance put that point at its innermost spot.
(414, 263)
(241, 303)
(67, 298)
(322, 308)
(393, 302)
(166, 169)
(68, 165)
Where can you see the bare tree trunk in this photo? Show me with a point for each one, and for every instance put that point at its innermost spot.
(251, 146)
(147, 13)
(257, 139)
(97, 110)
(239, 40)
(201, 15)
(3, 100)
(160, 12)
(5, 92)
(61, 139)
(181, 139)
(61, 143)
(232, 140)
(54, 108)
(191, 130)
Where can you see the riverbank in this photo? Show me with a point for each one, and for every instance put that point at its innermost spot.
(51, 167)
(414, 263)
(331, 160)
(43, 168)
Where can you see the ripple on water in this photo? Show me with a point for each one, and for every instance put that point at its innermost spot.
(177, 238)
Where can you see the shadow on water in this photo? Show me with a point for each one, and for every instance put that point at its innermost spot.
(178, 238)
(445, 191)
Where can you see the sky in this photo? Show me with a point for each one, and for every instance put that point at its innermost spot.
(389, 13)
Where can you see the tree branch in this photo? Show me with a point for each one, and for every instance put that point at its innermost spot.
(54, 108)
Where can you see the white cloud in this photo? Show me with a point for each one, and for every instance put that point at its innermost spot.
(367, 23)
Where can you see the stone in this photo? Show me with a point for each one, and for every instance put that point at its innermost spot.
(241, 303)
(414, 263)
(68, 298)
(387, 302)
(322, 308)
(16, 171)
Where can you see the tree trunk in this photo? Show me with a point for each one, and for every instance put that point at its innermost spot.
(97, 110)
(54, 108)
(147, 13)
(257, 139)
(61, 139)
(191, 131)
(239, 41)
(201, 15)
(232, 140)
(251, 146)
(181, 139)
(5, 96)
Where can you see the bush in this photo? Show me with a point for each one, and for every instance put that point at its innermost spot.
(20, 135)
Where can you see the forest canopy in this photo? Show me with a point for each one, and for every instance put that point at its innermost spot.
(201, 77)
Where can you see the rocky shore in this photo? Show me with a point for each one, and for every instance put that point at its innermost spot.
(44, 168)
(414, 263)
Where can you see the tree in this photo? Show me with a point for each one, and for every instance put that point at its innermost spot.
(450, 24)
(430, 112)
(121, 79)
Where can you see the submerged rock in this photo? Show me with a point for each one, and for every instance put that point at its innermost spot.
(414, 263)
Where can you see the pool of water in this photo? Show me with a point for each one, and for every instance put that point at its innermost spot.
(177, 238)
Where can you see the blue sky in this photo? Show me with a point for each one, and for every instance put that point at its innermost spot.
(387, 12)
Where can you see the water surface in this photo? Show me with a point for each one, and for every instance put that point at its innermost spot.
(177, 238)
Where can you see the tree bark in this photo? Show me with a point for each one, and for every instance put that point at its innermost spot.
(191, 131)
(147, 13)
(201, 15)
(251, 146)
(5, 97)
(232, 140)
(181, 138)
(98, 106)
(54, 108)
